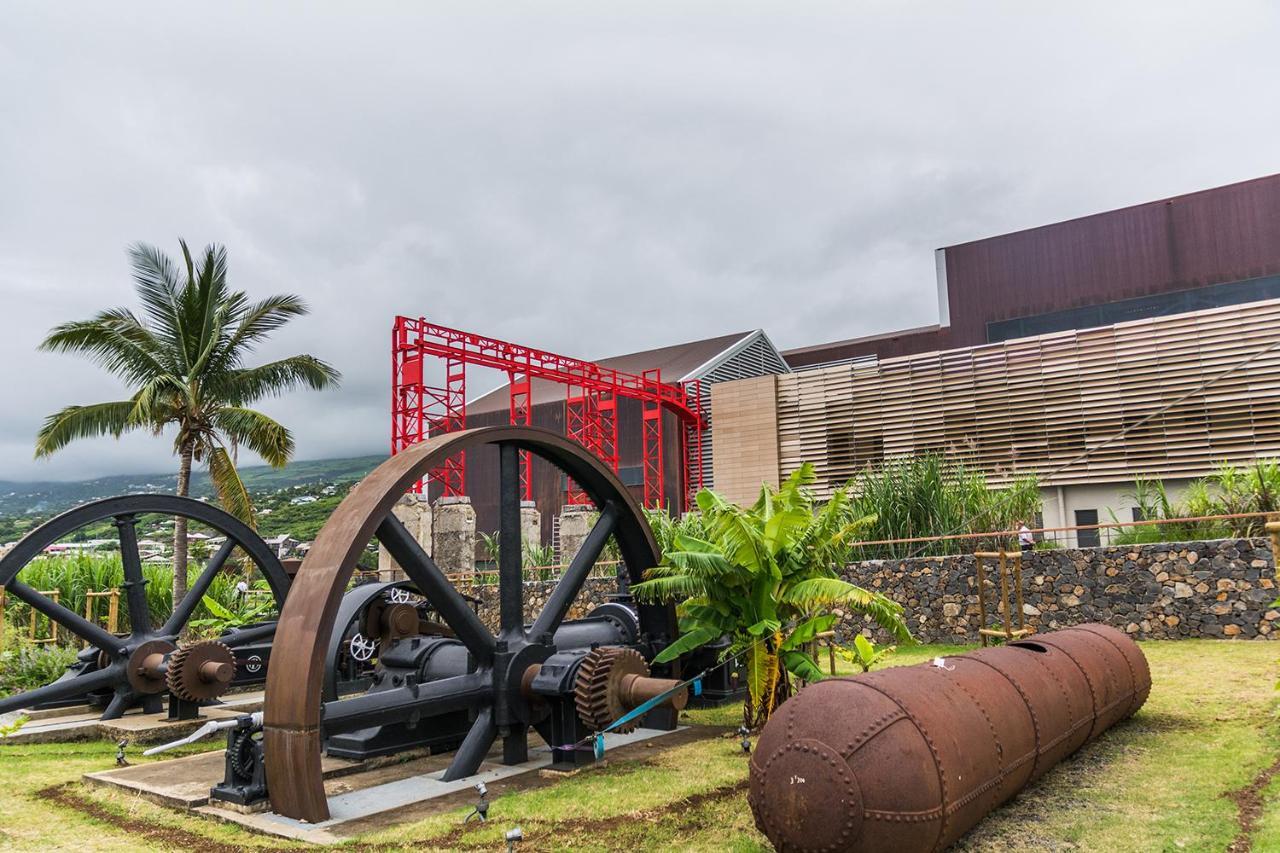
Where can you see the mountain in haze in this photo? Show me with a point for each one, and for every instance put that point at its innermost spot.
(18, 498)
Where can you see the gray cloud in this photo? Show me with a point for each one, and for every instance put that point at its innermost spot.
(590, 178)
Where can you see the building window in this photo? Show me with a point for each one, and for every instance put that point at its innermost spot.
(1140, 307)
(1138, 514)
(1087, 538)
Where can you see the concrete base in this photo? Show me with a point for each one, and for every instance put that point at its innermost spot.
(82, 723)
(358, 791)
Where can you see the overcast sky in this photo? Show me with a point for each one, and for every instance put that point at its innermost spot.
(592, 178)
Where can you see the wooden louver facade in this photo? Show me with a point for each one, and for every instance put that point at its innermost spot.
(1033, 405)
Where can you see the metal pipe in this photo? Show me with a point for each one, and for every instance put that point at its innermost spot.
(911, 758)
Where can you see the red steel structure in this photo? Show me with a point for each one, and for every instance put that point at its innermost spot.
(592, 392)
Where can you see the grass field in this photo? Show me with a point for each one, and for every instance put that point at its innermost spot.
(1180, 775)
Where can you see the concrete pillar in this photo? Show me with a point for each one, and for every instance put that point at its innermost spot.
(453, 535)
(530, 525)
(415, 512)
(576, 522)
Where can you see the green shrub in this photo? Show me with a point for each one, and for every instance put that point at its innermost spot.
(1229, 490)
(26, 666)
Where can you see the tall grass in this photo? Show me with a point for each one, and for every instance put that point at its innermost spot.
(73, 575)
(909, 497)
(931, 495)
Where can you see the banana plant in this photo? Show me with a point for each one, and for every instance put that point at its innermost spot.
(864, 654)
(766, 576)
(224, 617)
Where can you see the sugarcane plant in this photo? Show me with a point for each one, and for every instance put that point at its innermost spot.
(767, 577)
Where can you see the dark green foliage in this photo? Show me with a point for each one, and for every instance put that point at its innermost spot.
(26, 666)
(1230, 490)
(767, 576)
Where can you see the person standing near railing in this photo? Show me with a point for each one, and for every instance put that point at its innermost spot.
(1025, 537)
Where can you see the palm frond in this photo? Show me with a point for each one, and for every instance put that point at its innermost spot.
(276, 377)
(254, 430)
(120, 346)
(231, 490)
(73, 422)
(260, 319)
(158, 282)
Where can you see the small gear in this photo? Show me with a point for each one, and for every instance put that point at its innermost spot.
(240, 752)
(597, 691)
(200, 671)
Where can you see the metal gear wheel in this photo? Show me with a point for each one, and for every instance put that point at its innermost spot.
(597, 691)
(240, 752)
(198, 672)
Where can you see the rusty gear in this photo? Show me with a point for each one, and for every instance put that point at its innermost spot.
(201, 671)
(146, 666)
(597, 691)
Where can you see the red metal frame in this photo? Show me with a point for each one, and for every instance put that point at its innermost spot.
(521, 387)
(651, 431)
(592, 394)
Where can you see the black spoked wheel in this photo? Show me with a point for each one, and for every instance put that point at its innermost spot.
(124, 672)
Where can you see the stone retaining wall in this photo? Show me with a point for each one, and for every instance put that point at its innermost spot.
(594, 592)
(1219, 588)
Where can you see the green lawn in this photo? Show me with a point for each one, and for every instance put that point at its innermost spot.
(1162, 781)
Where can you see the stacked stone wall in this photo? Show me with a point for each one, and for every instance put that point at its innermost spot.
(594, 592)
(1220, 588)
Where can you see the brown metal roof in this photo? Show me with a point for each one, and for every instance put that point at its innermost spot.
(675, 362)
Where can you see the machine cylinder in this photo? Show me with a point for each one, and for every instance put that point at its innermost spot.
(911, 758)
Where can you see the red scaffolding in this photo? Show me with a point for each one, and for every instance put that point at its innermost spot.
(592, 393)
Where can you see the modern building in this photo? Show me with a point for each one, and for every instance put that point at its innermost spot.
(1130, 344)
(1201, 250)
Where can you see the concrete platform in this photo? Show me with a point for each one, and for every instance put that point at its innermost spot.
(359, 792)
(75, 723)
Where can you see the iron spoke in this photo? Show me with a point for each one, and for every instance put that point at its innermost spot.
(187, 606)
(134, 583)
(570, 584)
(510, 556)
(67, 618)
(475, 746)
(432, 583)
(63, 688)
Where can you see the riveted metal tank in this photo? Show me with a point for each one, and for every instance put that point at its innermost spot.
(911, 758)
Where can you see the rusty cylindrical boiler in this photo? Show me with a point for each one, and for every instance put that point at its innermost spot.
(910, 758)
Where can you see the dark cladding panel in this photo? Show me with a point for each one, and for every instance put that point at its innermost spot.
(1221, 235)
(1188, 242)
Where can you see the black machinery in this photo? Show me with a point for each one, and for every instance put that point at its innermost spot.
(135, 669)
(117, 672)
(454, 683)
(383, 668)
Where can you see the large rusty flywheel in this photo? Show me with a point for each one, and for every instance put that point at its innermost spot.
(524, 676)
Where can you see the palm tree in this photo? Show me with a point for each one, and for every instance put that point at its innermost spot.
(185, 358)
